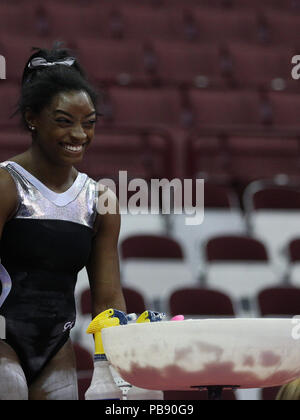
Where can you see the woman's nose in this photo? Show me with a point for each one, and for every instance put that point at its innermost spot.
(78, 132)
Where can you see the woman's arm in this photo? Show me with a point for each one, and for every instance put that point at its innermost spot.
(8, 198)
(103, 266)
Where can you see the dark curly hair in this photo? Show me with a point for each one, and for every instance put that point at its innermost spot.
(40, 84)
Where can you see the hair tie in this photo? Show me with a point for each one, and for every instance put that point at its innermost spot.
(42, 62)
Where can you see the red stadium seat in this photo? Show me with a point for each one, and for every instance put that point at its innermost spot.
(145, 107)
(294, 250)
(229, 25)
(17, 50)
(112, 62)
(144, 23)
(271, 205)
(13, 143)
(264, 66)
(134, 301)
(226, 108)
(238, 266)
(140, 154)
(206, 156)
(283, 28)
(279, 301)
(264, 157)
(202, 302)
(235, 248)
(276, 197)
(293, 261)
(285, 109)
(284, 5)
(10, 96)
(20, 18)
(195, 65)
(155, 266)
(151, 246)
(67, 22)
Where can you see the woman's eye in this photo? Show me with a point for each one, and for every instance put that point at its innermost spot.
(62, 120)
(89, 123)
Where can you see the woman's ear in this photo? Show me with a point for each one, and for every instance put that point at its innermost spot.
(30, 119)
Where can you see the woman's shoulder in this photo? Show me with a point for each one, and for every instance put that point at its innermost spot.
(6, 179)
(8, 192)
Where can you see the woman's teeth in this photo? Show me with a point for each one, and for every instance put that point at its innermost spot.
(73, 148)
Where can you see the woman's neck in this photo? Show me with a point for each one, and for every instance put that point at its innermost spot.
(58, 178)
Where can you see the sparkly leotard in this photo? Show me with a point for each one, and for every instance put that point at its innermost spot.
(43, 247)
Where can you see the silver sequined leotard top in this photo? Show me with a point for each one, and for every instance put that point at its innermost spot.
(43, 247)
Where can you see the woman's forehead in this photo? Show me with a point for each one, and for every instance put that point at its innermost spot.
(72, 102)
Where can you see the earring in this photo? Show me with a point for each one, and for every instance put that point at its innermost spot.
(32, 128)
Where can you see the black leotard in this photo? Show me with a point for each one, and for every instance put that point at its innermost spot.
(43, 247)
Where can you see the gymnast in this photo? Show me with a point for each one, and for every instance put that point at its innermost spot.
(50, 229)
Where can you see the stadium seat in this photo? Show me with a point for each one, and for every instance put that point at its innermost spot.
(293, 262)
(20, 18)
(222, 215)
(279, 301)
(67, 22)
(145, 107)
(226, 108)
(142, 153)
(155, 224)
(273, 212)
(144, 23)
(134, 301)
(285, 107)
(193, 65)
(114, 62)
(282, 5)
(152, 247)
(10, 94)
(200, 302)
(154, 265)
(263, 156)
(261, 66)
(232, 25)
(207, 157)
(17, 50)
(238, 266)
(277, 24)
(13, 143)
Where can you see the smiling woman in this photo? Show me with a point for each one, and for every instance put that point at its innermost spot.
(50, 230)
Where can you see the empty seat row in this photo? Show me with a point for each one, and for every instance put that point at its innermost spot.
(152, 153)
(197, 24)
(194, 108)
(237, 265)
(182, 108)
(242, 157)
(292, 5)
(167, 63)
